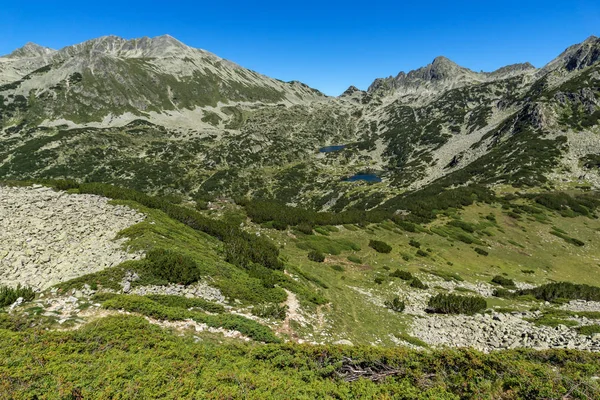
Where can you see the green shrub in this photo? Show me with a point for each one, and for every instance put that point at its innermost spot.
(395, 304)
(201, 205)
(185, 302)
(564, 290)
(9, 295)
(379, 280)
(321, 230)
(355, 259)
(481, 251)
(414, 243)
(528, 271)
(418, 284)
(148, 307)
(404, 275)
(502, 281)
(270, 310)
(405, 225)
(338, 268)
(380, 247)
(305, 228)
(462, 225)
(589, 330)
(316, 256)
(454, 304)
(172, 266)
(422, 253)
(561, 234)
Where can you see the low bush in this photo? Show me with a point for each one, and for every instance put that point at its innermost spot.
(337, 268)
(321, 230)
(528, 271)
(379, 280)
(355, 259)
(186, 303)
(481, 251)
(453, 304)
(502, 281)
(151, 308)
(462, 225)
(316, 256)
(561, 234)
(305, 228)
(380, 247)
(404, 275)
(589, 330)
(421, 253)
(418, 284)
(414, 243)
(9, 295)
(270, 310)
(172, 266)
(395, 304)
(564, 290)
(405, 225)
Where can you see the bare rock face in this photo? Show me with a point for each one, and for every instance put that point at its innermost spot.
(48, 237)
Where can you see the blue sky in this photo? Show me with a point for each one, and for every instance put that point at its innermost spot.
(327, 44)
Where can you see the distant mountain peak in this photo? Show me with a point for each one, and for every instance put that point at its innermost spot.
(578, 56)
(30, 50)
(512, 69)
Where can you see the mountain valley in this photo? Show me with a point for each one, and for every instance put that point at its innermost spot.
(168, 213)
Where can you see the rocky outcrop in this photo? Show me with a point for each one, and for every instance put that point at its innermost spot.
(487, 332)
(47, 237)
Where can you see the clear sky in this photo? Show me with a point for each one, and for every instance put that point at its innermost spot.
(329, 45)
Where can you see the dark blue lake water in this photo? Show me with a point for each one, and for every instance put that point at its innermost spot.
(364, 177)
(329, 149)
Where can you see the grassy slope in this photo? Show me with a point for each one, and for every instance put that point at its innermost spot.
(158, 230)
(355, 317)
(126, 357)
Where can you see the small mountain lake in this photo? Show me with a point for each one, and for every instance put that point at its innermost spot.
(329, 149)
(363, 177)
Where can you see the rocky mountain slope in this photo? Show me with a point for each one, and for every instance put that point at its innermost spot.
(160, 116)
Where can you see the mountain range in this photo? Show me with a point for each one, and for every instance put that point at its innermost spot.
(160, 116)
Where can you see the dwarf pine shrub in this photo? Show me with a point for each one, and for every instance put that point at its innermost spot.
(453, 304)
(502, 281)
(172, 266)
(395, 304)
(9, 295)
(404, 275)
(379, 246)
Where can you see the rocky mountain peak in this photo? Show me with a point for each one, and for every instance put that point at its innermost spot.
(31, 50)
(441, 68)
(160, 46)
(577, 57)
(350, 91)
(512, 69)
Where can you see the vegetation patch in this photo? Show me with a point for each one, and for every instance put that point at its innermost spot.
(380, 246)
(154, 309)
(10, 295)
(453, 304)
(502, 281)
(395, 304)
